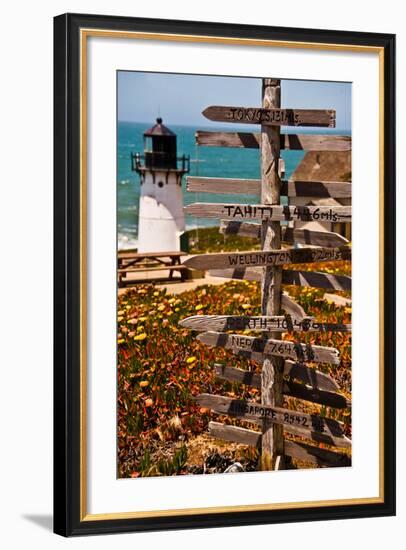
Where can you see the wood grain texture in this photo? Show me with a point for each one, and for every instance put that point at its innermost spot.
(314, 279)
(297, 371)
(293, 142)
(297, 450)
(264, 212)
(243, 229)
(293, 350)
(271, 116)
(275, 323)
(312, 189)
(289, 234)
(251, 410)
(267, 258)
(314, 238)
(272, 367)
(291, 307)
(235, 434)
(290, 388)
(310, 376)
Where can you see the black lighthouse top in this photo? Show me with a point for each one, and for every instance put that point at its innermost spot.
(159, 151)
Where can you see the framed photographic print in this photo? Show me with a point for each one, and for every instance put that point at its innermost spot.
(224, 274)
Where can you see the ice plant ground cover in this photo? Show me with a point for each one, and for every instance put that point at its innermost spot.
(162, 367)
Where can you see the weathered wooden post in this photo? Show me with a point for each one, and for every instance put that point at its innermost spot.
(272, 368)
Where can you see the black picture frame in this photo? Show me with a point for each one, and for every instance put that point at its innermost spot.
(67, 293)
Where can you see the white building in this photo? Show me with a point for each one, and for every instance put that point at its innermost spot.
(161, 219)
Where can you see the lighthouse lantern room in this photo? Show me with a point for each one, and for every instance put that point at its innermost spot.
(161, 218)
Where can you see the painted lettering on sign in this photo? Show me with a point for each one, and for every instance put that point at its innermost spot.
(281, 116)
(268, 258)
(283, 348)
(265, 212)
(248, 211)
(271, 117)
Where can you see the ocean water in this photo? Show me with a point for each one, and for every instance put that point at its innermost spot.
(205, 161)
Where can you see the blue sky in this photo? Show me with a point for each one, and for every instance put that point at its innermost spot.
(180, 99)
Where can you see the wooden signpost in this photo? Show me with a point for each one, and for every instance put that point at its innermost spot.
(289, 234)
(271, 116)
(317, 189)
(282, 348)
(293, 142)
(296, 422)
(275, 212)
(300, 391)
(298, 277)
(265, 258)
(284, 371)
(276, 323)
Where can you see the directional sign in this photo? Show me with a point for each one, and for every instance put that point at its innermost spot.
(313, 279)
(291, 307)
(281, 323)
(250, 410)
(293, 142)
(316, 279)
(290, 388)
(267, 258)
(289, 234)
(281, 348)
(318, 189)
(266, 212)
(297, 450)
(271, 117)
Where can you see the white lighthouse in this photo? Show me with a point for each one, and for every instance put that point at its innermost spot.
(161, 219)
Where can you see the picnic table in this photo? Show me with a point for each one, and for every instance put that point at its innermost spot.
(130, 261)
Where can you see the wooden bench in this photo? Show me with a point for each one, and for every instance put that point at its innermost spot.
(129, 261)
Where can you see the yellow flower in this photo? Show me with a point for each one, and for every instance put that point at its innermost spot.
(156, 293)
(121, 341)
(191, 360)
(121, 312)
(143, 319)
(246, 306)
(199, 307)
(161, 307)
(144, 383)
(140, 337)
(119, 319)
(140, 328)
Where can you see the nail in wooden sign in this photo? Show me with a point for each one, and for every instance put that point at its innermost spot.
(269, 258)
(272, 117)
(281, 348)
(266, 212)
(281, 323)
